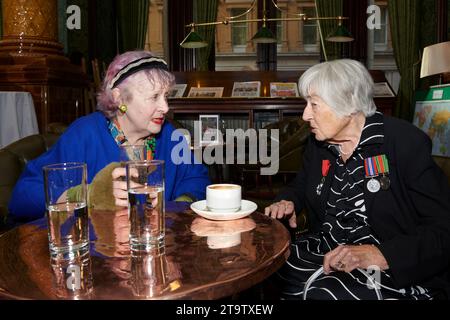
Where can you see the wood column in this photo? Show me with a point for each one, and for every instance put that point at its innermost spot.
(31, 59)
(30, 27)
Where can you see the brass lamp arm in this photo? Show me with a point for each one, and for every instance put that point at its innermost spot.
(303, 17)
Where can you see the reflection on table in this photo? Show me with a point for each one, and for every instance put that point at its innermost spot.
(201, 259)
(17, 117)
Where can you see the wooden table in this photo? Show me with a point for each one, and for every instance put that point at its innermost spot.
(202, 259)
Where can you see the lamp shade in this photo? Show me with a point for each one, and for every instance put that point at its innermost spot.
(193, 41)
(264, 35)
(341, 34)
(435, 59)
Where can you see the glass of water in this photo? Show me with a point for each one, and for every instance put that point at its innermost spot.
(67, 214)
(145, 185)
(133, 152)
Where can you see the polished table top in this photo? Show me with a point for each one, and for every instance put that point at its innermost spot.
(202, 259)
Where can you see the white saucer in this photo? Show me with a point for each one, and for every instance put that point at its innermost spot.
(247, 207)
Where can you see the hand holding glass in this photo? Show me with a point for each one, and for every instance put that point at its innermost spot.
(145, 185)
(66, 202)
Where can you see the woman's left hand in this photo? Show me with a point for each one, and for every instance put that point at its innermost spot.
(120, 187)
(349, 257)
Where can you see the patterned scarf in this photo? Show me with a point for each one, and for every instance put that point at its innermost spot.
(119, 137)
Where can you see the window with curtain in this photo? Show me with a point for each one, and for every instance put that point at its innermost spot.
(154, 39)
(238, 32)
(381, 35)
(297, 42)
(310, 34)
(279, 33)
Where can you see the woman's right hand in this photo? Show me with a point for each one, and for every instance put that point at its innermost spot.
(282, 209)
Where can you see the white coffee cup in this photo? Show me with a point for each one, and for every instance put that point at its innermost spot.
(223, 197)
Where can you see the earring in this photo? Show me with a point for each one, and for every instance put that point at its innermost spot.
(123, 108)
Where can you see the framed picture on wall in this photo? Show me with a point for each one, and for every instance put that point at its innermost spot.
(177, 91)
(246, 89)
(205, 92)
(283, 89)
(209, 129)
(382, 89)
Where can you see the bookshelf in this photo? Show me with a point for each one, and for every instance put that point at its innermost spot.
(242, 112)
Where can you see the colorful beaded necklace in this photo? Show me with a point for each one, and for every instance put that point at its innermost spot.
(119, 137)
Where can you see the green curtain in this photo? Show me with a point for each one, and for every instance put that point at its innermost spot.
(329, 8)
(404, 19)
(428, 34)
(132, 19)
(1, 21)
(205, 11)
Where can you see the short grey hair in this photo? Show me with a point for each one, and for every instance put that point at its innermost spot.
(345, 85)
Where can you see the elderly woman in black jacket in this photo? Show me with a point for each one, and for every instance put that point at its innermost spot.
(374, 196)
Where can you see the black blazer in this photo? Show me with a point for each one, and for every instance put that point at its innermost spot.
(411, 219)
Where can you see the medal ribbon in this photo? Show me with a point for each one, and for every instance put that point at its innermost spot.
(325, 167)
(382, 164)
(376, 165)
(369, 167)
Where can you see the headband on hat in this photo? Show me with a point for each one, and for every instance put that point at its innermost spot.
(135, 66)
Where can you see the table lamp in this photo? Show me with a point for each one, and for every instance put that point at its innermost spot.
(436, 60)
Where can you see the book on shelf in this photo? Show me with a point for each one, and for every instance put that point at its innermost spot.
(177, 91)
(246, 89)
(283, 89)
(205, 92)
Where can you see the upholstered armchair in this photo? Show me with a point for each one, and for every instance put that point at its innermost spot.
(13, 159)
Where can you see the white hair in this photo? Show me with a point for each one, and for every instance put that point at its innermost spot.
(345, 85)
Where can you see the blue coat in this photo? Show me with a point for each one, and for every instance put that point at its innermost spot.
(88, 140)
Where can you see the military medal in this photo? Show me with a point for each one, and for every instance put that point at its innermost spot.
(383, 169)
(385, 182)
(371, 172)
(325, 168)
(374, 167)
(373, 185)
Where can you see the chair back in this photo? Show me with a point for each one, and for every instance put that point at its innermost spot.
(13, 159)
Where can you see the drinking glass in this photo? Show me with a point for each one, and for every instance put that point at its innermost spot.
(72, 279)
(149, 273)
(132, 152)
(66, 203)
(145, 185)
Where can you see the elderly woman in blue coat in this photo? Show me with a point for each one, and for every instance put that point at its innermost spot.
(132, 109)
